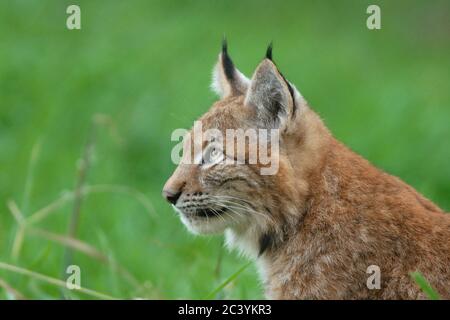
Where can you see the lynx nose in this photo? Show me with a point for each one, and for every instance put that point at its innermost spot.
(171, 196)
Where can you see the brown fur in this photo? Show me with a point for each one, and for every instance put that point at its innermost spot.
(328, 214)
(357, 216)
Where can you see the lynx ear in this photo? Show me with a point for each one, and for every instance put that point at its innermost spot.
(227, 80)
(270, 93)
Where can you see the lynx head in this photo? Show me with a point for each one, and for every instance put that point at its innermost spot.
(215, 187)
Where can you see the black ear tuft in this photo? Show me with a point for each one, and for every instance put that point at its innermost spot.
(224, 46)
(269, 51)
(227, 63)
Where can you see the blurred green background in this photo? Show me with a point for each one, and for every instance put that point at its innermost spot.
(139, 69)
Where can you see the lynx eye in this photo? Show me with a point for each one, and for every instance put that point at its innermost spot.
(212, 155)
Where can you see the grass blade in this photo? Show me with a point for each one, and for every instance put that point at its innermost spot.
(20, 232)
(15, 211)
(87, 249)
(92, 189)
(30, 175)
(11, 292)
(53, 281)
(70, 242)
(425, 285)
(213, 293)
(17, 243)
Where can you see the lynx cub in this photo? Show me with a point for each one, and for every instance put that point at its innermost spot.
(316, 225)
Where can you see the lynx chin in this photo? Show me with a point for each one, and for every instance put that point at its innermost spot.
(315, 226)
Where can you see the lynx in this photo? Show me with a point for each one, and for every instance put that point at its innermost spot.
(315, 226)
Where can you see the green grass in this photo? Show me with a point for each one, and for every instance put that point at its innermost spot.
(425, 285)
(140, 69)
